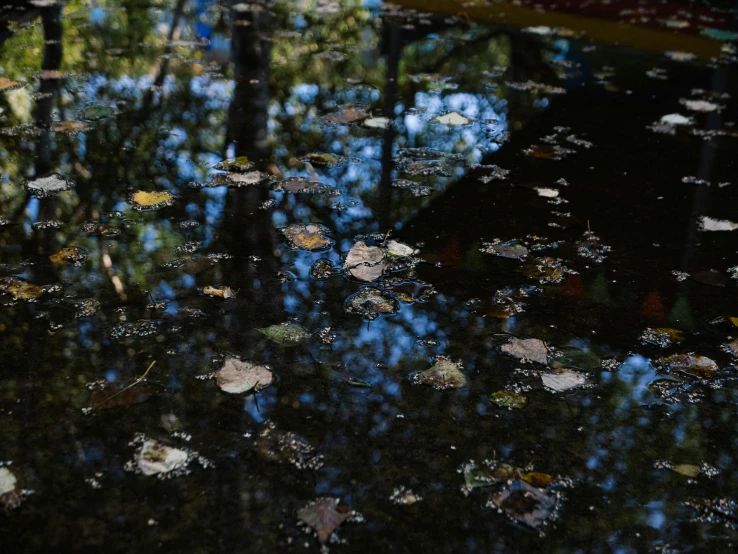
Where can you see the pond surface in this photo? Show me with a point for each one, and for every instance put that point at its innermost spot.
(304, 276)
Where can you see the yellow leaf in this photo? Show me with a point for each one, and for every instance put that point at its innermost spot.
(536, 479)
(151, 200)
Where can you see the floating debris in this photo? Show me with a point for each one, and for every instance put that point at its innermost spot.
(546, 270)
(140, 328)
(399, 249)
(416, 189)
(224, 292)
(508, 399)
(531, 350)
(286, 334)
(323, 159)
(142, 200)
(563, 380)
(12, 492)
(523, 503)
(662, 336)
(73, 255)
(690, 365)
(70, 127)
(287, 447)
(710, 224)
(591, 247)
(6, 85)
(85, 308)
(378, 123)
(702, 106)
(710, 277)
(105, 395)
(722, 511)
(553, 152)
(423, 168)
(511, 249)
(237, 376)
(678, 56)
(453, 119)
(234, 180)
(22, 290)
(241, 164)
(370, 302)
(347, 116)
(311, 237)
(404, 497)
(43, 187)
(412, 291)
(299, 185)
(155, 458)
(324, 269)
(365, 263)
(677, 119)
(325, 515)
(444, 374)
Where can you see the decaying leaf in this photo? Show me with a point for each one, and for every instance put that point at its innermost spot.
(710, 277)
(377, 122)
(662, 336)
(404, 497)
(286, 334)
(48, 185)
(21, 290)
(533, 350)
(508, 399)
(324, 159)
(7, 85)
(591, 247)
(711, 224)
(69, 127)
(241, 164)
(73, 255)
(12, 481)
(224, 292)
(688, 470)
(287, 447)
(143, 200)
(526, 504)
(732, 348)
(155, 458)
(311, 237)
(452, 118)
(563, 380)
(510, 249)
(412, 291)
(444, 374)
(300, 185)
(323, 516)
(365, 263)
(346, 116)
(400, 249)
(537, 479)
(370, 302)
(575, 358)
(545, 270)
(690, 365)
(105, 395)
(237, 376)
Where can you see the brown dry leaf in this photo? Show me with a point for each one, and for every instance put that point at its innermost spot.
(69, 127)
(533, 350)
(223, 292)
(21, 290)
(525, 504)
(311, 237)
(698, 367)
(73, 255)
(323, 516)
(346, 116)
(8, 84)
(110, 395)
(365, 263)
(51, 74)
(143, 200)
(236, 376)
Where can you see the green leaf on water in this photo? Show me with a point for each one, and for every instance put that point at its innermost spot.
(286, 334)
(508, 399)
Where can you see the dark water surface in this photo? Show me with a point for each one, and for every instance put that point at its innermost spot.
(616, 447)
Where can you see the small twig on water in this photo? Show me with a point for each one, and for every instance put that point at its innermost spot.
(136, 382)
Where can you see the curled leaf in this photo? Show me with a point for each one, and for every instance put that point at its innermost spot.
(286, 334)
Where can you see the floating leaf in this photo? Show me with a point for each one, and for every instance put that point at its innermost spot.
(346, 116)
(241, 164)
(526, 504)
(21, 290)
(691, 365)
(688, 470)
(69, 127)
(400, 249)
(548, 152)
(311, 237)
(237, 376)
(710, 224)
(299, 185)
(416, 189)
(563, 380)
(732, 348)
(452, 118)
(711, 277)
(94, 113)
(105, 396)
(444, 374)
(73, 255)
(323, 516)
(412, 291)
(591, 247)
(370, 302)
(287, 447)
(286, 334)
(155, 458)
(545, 270)
(224, 292)
(677, 119)
(700, 105)
(575, 358)
(7, 481)
(511, 249)
(377, 122)
(46, 186)
(365, 263)
(508, 399)
(537, 479)
(404, 497)
(7, 85)
(322, 159)
(12, 481)
(719, 34)
(533, 350)
(142, 200)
